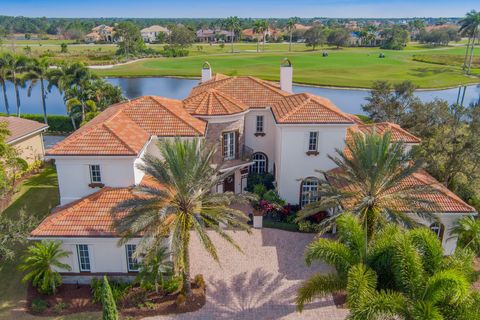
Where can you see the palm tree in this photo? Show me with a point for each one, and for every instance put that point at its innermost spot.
(470, 27)
(37, 72)
(371, 168)
(17, 64)
(74, 76)
(233, 24)
(468, 231)
(183, 202)
(4, 63)
(264, 30)
(291, 27)
(154, 266)
(257, 29)
(41, 261)
(404, 273)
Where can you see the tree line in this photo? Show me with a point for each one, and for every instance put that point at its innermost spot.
(85, 94)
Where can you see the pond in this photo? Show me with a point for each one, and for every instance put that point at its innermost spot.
(349, 100)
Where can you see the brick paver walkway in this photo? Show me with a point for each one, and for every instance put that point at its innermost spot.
(260, 283)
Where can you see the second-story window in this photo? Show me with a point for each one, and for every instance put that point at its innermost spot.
(132, 263)
(95, 175)
(259, 126)
(313, 141)
(229, 145)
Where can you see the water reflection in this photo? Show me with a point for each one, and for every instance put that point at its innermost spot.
(349, 100)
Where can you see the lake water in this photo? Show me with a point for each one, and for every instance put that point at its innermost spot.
(349, 100)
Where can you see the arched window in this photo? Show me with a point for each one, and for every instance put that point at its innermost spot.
(260, 163)
(309, 191)
(438, 229)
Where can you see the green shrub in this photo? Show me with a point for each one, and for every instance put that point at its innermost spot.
(59, 307)
(39, 305)
(173, 52)
(56, 123)
(260, 178)
(273, 197)
(308, 226)
(259, 190)
(171, 285)
(118, 288)
(109, 309)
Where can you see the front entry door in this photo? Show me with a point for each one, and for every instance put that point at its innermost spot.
(229, 183)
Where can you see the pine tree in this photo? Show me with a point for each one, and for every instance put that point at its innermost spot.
(109, 307)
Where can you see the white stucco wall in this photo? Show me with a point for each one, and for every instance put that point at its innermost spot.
(74, 175)
(294, 164)
(266, 143)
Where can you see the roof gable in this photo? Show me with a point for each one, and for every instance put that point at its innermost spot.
(213, 102)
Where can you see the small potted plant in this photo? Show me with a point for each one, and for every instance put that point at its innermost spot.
(260, 208)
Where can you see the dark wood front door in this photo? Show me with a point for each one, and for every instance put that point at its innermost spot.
(229, 183)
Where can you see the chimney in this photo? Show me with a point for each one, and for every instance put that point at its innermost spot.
(286, 75)
(206, 72)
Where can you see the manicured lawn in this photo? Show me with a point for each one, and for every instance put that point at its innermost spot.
(37, 196)
(351, 67)
(267, 223)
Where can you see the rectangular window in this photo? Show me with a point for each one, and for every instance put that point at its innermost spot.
(83, 258)
(95, 176)
(313, 141)
(132, 263)
(259, 124)
(229, 145)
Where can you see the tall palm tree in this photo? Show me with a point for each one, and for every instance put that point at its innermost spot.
(4, 63)
(183, 202)
(17, 65)
(257, 29)
(233, 24)
(366, 183)
(470, 26)
(291, 27)
(41, 260)
(38, 71)
(404, 273)
(264, 29)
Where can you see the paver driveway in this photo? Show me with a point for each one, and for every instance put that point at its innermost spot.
(260, 283)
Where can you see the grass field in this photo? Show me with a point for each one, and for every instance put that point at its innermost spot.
(349, 67)
(37, 196)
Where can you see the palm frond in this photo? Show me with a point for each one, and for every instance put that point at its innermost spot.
(319, 285)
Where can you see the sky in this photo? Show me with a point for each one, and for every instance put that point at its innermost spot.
(241, 8)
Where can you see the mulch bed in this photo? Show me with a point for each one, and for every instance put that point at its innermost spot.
(78, 298)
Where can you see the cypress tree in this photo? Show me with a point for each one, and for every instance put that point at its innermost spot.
(109, 307)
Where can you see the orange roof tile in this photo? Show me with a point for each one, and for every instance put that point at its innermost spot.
(90, 216)
(253, 92)
(124, 128)
(398, 133)
(443, 200)
(308, 108)
(213, 102)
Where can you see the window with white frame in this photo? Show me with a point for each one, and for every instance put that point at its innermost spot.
(83, 258)
(438, 229)
(309, 191)
(132, 263)
(229, 145)
(313, 141)
(259, 163)
(259, 124)
(95, 175)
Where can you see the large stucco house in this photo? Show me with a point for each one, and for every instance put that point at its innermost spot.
(258, 126)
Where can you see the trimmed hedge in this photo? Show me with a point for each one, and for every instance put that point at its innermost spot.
(56, 123)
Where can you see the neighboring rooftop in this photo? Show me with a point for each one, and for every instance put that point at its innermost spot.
(442, 200)
(155, 28)
(124, 128)
(21, 128)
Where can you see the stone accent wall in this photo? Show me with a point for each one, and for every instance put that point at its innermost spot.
(214, 136)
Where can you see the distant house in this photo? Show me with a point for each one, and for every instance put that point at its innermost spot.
(213, 35)
(150, 34)
(271, 33)
(102, 33)
(27, 137)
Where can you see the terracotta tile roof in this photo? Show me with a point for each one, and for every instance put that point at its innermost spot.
(444, 200)
(253, 92)
(398, 133)
(124, 128)
(308, 108)
(19, 127)
(213, 102)
(90, 216)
